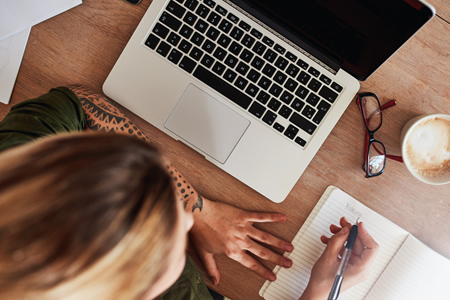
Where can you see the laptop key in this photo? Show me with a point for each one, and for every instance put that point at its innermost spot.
(257, 109)
(241, 82)
(302, 92)
(280, 77)
(264, 82)
(197, 39)
(196, 53)
(244, 26)
(187, 64)
(286, 97)
(210, 3)
(263, 97)
(224, 40)
(202, 11)
(336, 87)
(220, 53)
(222, 87)
(267, 41)
(201, 26)
(233, 18)
(314, 85)
(163, 48)
(242, 68)
(289, 134)
(246, 55)
(269, 117)
(207, 61)
(297, 104)
(274, 104)
(303, 77)
(212, 33)
(313, 71)
(325, 79)
(302, 64)
(236, 33)
(281, 63)
(235, 48)
(231, 61)
(256, 33)
(225, 26)
(291, 85)
(291, 56)
(313, 99)
(300, 141)
(259, 48)
(152, 41)
(218, 68)
(191, 4)
(186, 31)
(328, 94)
(270, 55)
(269, 70)
(257, 63)
(278, 127)
(322, 110)
(214, 18)
(230, 75)
(248, 41)
(174, 39)
(292, 70)
(293, 129)
(221, 10)
(176, 9)
(279, 49)
(303, 123)
(185, 46)
(161, 30)
(253, 75)
(208, 46)
(308, 111)
(190, 18)
(174, 56)
(252, 90)
(285, 112)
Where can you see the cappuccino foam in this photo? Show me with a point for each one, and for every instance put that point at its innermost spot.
(428, 147)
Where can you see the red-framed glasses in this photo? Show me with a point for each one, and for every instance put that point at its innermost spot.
(374, 151)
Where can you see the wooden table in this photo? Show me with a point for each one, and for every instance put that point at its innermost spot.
(82, 45)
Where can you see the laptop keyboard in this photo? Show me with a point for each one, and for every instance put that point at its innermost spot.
(243, 64)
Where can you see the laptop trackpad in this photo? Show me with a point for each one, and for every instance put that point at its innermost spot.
(206, 124)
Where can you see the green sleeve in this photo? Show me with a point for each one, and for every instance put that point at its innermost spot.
(57, 111)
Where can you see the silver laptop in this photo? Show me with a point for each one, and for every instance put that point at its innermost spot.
(256, 86)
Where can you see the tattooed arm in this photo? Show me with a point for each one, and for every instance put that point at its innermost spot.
(218, 228)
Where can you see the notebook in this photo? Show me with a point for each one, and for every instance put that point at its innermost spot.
(405, 268)
(256, 86)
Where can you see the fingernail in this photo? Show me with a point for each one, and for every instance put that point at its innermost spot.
(344, 230)
(272, 277)
(289, 248)
(214, 280)
(287, 263)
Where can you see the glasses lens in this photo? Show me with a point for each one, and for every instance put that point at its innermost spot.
(371, 110)
(376, 158)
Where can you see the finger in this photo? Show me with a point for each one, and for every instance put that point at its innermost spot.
(324, 239)
(269, 255)
(259, 217)
(210, 265)
(335, 229)
(251, 263)
(336, 242)
(371, 247)
(266, 238)
(344, 222)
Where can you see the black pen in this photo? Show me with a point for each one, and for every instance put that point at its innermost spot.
(340, 274)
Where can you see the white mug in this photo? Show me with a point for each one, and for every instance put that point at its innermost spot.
(412, 131)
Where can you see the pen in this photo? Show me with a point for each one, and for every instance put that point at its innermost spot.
(340, 274)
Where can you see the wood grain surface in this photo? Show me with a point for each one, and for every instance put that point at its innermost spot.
(82, 45)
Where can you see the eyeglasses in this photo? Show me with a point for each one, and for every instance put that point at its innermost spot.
(374, 151)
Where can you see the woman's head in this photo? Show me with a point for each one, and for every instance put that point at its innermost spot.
(88, 215)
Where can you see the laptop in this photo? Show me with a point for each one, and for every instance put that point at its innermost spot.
(256, 86)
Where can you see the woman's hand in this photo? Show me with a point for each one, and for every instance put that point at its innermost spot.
(224, 229)
(324, 271)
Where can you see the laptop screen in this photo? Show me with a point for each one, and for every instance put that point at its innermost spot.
(356, 35)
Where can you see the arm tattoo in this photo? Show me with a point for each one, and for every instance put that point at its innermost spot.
(198, 204)
(103, 115)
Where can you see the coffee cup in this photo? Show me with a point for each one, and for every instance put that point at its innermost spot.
(425, 142)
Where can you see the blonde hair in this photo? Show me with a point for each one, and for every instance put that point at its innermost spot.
(84, 216)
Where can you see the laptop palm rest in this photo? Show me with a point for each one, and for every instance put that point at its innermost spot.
(206, 124)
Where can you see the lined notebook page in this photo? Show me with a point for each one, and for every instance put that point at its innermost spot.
(415, 273)
(334, 204)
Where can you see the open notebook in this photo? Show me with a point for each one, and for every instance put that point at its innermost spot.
(405, 268)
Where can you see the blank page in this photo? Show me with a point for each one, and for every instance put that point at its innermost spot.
(334, 204)
(415, 273)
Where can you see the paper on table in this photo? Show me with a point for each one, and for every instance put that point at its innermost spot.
(415, 273)
(11, 53)
(291, 282)
(18, 15)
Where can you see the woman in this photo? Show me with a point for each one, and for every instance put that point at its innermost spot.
(99, 219)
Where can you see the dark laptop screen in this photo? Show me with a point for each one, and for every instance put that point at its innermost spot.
(357, 35)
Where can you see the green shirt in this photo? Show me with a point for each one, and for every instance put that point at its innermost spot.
(58, 111)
